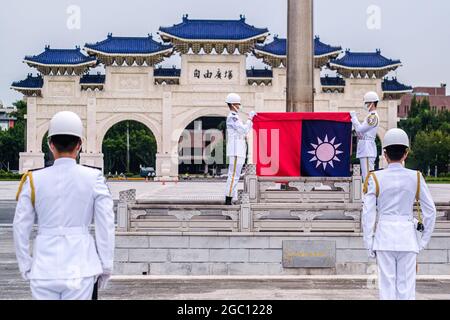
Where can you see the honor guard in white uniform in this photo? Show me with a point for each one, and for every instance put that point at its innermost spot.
(391, 233)
(236, 145)
(367, 133)
(64, 199)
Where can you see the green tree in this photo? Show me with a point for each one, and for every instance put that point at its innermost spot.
(429, 131)
(12, 141)
(431, 149)
(142, 147)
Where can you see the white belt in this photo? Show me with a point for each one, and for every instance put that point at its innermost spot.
(61, 231)
(366, 139)
(395, 218)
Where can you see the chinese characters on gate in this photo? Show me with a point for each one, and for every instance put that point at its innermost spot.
(219, 74)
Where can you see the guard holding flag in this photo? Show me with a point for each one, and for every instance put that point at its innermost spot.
(398, 237)
(65, 198)
(236, 145)
(367, 133)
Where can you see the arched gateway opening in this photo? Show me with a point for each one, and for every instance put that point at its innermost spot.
(201, 148)
(128, 147)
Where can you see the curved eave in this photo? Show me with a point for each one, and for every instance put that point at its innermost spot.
(398, 91)
(26, 88)
(392, 66)
(92, 84)
(259, 78)
(116, 54)
(336, 86)
(167, 37)
(168, 77)
(84, 64)
(262, 52)
(265, 53)
(333, 53)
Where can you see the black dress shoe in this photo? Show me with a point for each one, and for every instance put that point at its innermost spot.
(228, 201)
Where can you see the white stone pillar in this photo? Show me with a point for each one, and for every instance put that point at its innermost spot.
(91, 156)
(167, 156)
(33, 158)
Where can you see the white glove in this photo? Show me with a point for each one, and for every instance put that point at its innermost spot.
(252, 114)
(353, 114)
(372, 254)
(103, 280)
(26, 275)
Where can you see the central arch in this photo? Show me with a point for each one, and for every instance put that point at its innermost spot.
(150, 123)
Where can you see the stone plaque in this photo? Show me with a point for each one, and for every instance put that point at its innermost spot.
(309, 254)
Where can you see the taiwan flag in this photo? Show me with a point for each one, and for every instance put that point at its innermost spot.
(302, 144)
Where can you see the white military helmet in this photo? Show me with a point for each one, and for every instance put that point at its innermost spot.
(233, 98)
(370, 97)
(66, 123)
(395, 137)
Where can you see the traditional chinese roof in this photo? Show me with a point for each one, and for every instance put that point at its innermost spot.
(275, 52)
(32, 85)
(328, 81)
(167, 72)
(394, 86)
(259, 73)
(129, 50)
(392, 89)
(364, 64)
(332, 84)
(92, 81)
(213, 34)
(61, 61)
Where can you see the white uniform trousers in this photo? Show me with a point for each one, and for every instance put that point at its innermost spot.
(367, 165)
(234, 174)
(397, 275)
(71, 289)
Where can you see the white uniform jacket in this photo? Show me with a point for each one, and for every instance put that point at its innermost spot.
(236, 134)
(395, 230)
(367, 133)
(67, 198)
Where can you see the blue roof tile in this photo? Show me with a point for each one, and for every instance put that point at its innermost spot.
(69, 57)
(393, 85)
(212, 30)
(167, 72)
(259, 73)
(93, 79)
(30, 82)
(128, 45)
(364, 60)
(278, 47)
(328, 81)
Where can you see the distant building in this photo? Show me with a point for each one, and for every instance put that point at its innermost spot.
(6, 120)
(436, 95)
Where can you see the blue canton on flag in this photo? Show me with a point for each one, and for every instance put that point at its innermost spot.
(325, 148)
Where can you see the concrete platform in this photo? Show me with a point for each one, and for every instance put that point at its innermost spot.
(209, 190)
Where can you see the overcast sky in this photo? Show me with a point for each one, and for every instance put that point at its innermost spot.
(415, 31)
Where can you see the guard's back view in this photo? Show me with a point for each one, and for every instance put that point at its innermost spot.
(66, 197)
(390, 194)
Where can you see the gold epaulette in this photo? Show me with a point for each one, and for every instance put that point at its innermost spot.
(29, 175)
(366, 184)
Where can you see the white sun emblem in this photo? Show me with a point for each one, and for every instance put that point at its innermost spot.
(325, 152)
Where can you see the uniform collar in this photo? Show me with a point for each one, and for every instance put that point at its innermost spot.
(395, 166)
(64, 161)
(233, 113)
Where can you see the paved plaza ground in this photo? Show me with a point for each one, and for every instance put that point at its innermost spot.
(229, 288)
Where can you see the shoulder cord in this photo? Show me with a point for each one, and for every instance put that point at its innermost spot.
(26, 175)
